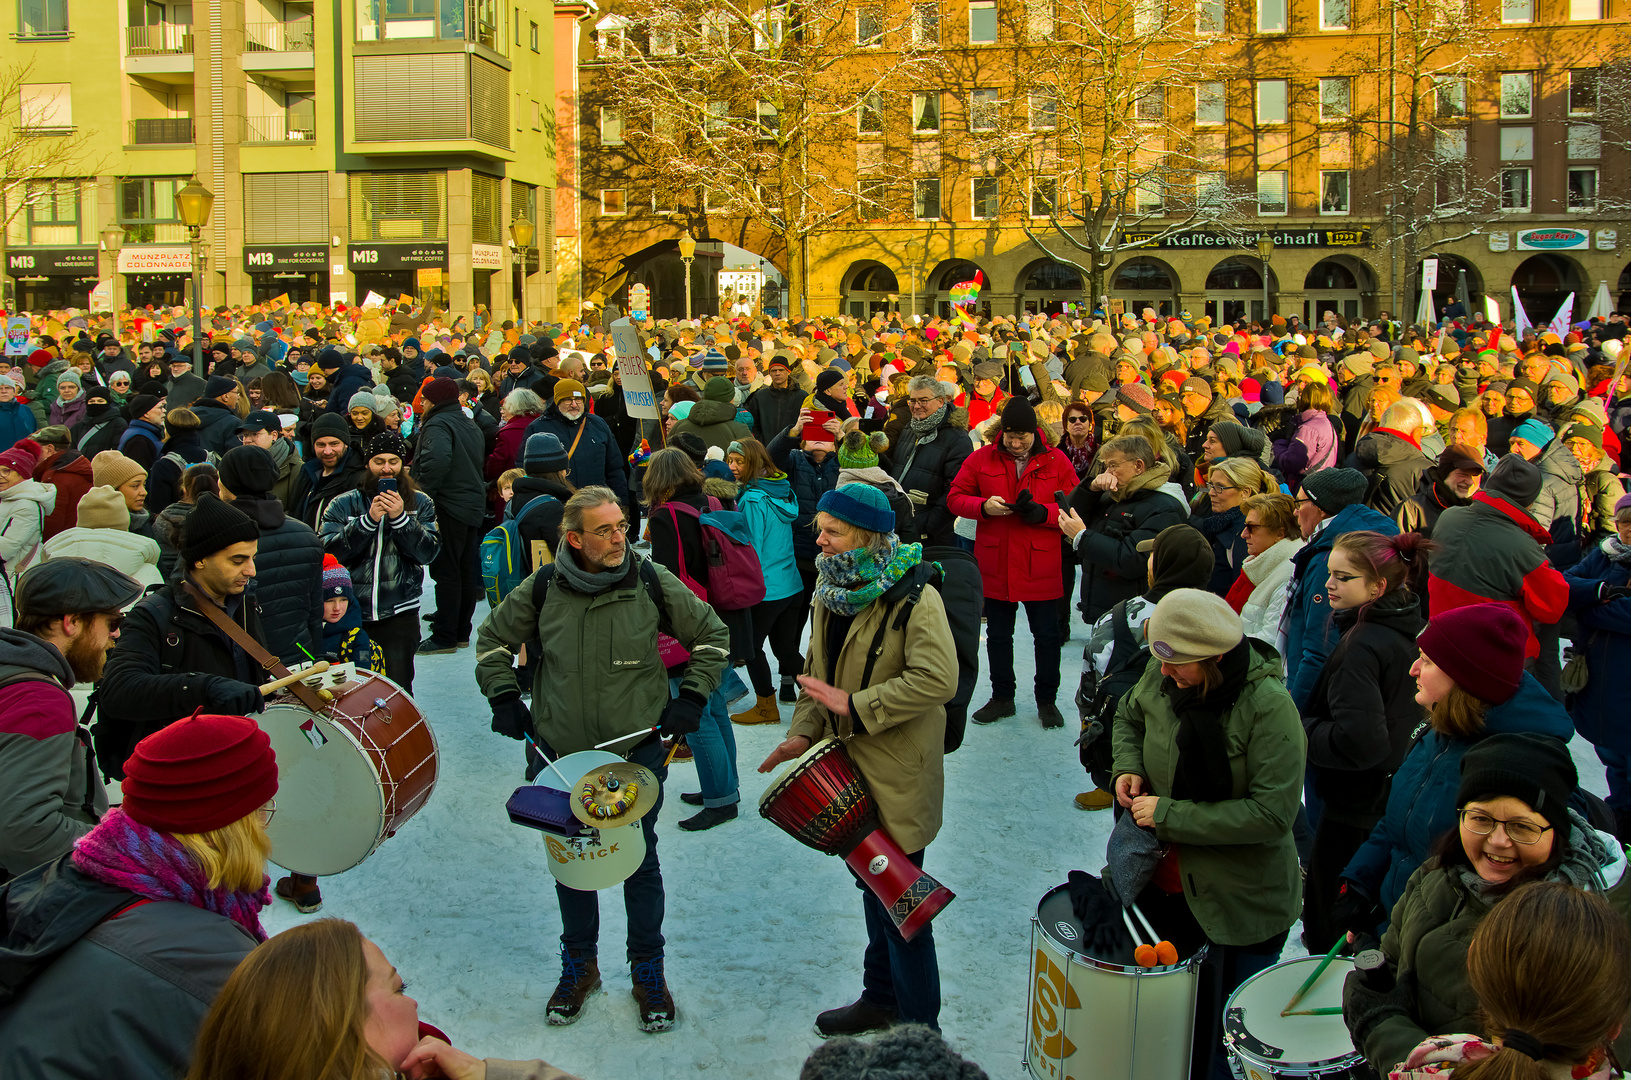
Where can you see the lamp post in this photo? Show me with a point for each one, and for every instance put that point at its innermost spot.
(1265, 251)
(521, 231)
(113, 238)
(193, 204)
(688, 251)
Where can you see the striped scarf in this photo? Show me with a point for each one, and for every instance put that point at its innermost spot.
(850, 580)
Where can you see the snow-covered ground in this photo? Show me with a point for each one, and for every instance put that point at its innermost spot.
(763, 933)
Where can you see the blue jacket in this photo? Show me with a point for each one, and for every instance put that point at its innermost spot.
(770, 509)
(1605, 633)
(810, 481)
(596, 458)
(1310, 637)
(1421, 805)
(345, 383)
(16, 422)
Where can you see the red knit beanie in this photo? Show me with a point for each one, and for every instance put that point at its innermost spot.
(1481, 647)
(441, 390)
(200, 774)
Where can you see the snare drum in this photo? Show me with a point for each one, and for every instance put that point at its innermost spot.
(347, 778)
(1092, 1019)
(580, 857)
(1263, 1045)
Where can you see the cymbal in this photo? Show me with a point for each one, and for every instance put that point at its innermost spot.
(613, 795)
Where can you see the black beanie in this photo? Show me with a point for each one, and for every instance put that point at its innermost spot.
(331, 425)
(829, 377)
(213, 525)
(692, 444)
(248, 472)
(1535, 769)
(217, 385)
(1018, 415)
(386, 442)
(140, 405)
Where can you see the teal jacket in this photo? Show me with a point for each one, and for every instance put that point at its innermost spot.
(770, 508)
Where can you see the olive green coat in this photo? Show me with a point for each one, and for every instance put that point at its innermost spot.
(599, 675)
(1238, 862)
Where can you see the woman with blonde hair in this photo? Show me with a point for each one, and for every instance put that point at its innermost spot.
(1218, 514)
(321, 1002)
(138, 927)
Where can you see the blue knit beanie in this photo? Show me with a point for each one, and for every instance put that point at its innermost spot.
(861, 505)
(1533, 431)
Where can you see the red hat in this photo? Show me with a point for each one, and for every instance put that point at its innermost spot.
(200, 774)
(1251, 390)
(40, 358)
(442, 390)
(20, 461)
(1481, 647)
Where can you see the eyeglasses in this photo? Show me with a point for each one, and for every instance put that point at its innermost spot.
(606, 532)
(925, 401)
(267, 811)
(1078, 418)
(1300, 502)
(1519, 832)
(1219, 489)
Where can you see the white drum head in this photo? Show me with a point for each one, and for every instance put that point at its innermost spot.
(791, 768)
(330, 805)
(1261, 1036)
(573, 767)
(599, 860)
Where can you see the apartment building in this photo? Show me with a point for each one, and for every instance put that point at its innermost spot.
(361, 146)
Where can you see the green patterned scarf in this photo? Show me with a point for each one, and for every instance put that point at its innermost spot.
(850, 580)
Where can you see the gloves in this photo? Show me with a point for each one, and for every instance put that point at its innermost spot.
(1104, 932)
(683, 715)
(1607, 592)
(1028, 510)
(1370, 998)
(511, 717)
(233, 697)
(1355, 911)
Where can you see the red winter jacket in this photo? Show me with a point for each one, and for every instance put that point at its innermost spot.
(512, 436)
(980, 410)
(1017, 561)
(1491, 550)
(70, 473)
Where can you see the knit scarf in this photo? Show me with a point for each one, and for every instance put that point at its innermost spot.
(1616, 551)
(850, 580)
(928, 428)
(580, 580)
(1202, 773)
(155, 866)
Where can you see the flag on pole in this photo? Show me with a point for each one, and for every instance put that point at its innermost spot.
(1492, 309)
(1560, 321)
(1424, 310)
(1520, 318)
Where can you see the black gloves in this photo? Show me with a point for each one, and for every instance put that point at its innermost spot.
(683, 715)
(1105, 935)
(1607, 592)
(1028, 510)
(511, 717)
(1355, 911)
(233, 697)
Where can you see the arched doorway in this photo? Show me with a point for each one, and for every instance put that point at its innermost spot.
(1337, 285)
(952, 273)
(1544, 281)
(1045, 287)
(1458, 280)
(1146, 282)
(1234, 291)
(870, 285)
(1622, 291)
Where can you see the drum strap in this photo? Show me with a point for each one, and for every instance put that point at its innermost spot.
(306, 695)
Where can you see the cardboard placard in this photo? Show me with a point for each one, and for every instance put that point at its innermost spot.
(638, 396)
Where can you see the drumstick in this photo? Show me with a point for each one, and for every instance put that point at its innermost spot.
(623, 738)
(278, 684)
(1143, 955)
(672, 750)
(1318, 971)
(566, 785)
(1327, 1010)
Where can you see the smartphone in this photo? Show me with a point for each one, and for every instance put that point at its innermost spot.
(1061, 499)
(815, 430)
(387, 483)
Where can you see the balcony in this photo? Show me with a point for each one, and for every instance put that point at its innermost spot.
(158, 39)
(279, 129)
(162, 131)
(271, 47)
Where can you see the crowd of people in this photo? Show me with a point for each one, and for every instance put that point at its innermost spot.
(1343, 591)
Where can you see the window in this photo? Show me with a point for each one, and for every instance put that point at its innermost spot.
(663, 41)
(1333, 14)
(51, 214)
(873, 192)
(1271, 101)
(985, 201)
(982, 22)
(1450, 190)
(532, 36)
(1585, 142)
(1334, 192)
(768, 27)
(611, 127)
(1583, 92)
(42, 18)
(984, 110)
(397, 205)
(1271, 16)
(715, 199)
(869, 117)
(611, 202)
(1044, 196)
(1151, 104)
(147, 210)
(869, 26)
(1149, 197)
(1514, 189)
(926, 113)
(1582, 189)
(769, 119)
(1450, 145)
(1517, 11)
(537, 117)
(1271, 193)
(926, 24)
(1209, 190)
(1044, 111)
(609, 42)
(1517, 95)
(1209, 103)
(1518, 143)
(45, 107)
(1209, 16)
(1449, 97)
(926, 198)
(715, 30)
(1585, 10)
(1148, 15)
(1039, 22)
(718, 117)
(663, 201)
(1336, 98)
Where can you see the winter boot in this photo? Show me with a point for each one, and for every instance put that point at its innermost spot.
(710, 816)
(1094, 800)
(1049, 712)
(856, 1019)
(994, 710)
(764, 711)
(302, 892)
(651, 992)
(580, 977)
(790, 690)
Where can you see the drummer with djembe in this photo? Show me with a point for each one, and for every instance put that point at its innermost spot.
(880, 687)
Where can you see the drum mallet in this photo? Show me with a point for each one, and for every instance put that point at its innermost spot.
(1143, 955)
(1312, 979)
(288, 680)
(1166, 953)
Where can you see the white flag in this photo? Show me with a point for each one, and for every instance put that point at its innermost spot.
(1520, 318)
(1560, 321)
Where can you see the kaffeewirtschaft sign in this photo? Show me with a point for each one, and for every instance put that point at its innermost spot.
(1247, 241)
(280, 258)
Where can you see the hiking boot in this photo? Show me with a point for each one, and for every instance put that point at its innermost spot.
(691, 798)
(856, 1019)
(1049, 712)
(764, 711)
(432, 647)
(651, 992)
(994, 710)
(580, 977)
(790, 690)
(1094, 800)
(302, 892)
(710, 816)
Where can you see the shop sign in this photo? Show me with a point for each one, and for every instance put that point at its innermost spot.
(156, 260)
(281, 258)
(1499, 241)
(1552, 239)
(1608, 239)
(1214, 238)
(48, 262)
(366, 257)
(486, 257)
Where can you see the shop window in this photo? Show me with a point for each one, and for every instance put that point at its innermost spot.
(1334, 192)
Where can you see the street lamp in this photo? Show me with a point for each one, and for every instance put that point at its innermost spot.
(113, 238)
(688, 251)
(193, 204)
(1265, 251)
(521, 231)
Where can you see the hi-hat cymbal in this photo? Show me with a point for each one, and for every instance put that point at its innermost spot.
(614, 795)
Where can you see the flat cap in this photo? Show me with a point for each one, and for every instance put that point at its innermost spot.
(69, 585)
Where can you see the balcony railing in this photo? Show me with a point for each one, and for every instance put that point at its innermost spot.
(277, 129)
(157, 39)
(292, 35)
(168, 130)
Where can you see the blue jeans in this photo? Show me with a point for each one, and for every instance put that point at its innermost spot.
(643, 898)
(1619, 778)
(899, 974)
(713, 748)
(732, 686)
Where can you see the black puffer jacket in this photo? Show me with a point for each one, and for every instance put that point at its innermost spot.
(344, 383)
(1113, 569)
(926, 472)
(1394, 467)
(447, 464)
(219, 425)
(810, 481)
(545, 523)
(164, 478)
(288, 581)
(387, 558)
(774, 411)
(1362, 714)
(313, 491)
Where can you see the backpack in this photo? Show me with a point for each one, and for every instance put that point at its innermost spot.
(505, 560)
(955, 575)
(182, 464)
(734, 578)
(1097, 702)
